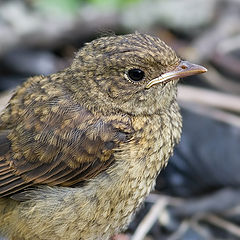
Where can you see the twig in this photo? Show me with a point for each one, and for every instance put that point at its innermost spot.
(226, 225)
(180, 231)
(214, 78)
(233, 211)
(148, 221)
(213, 113)
(201, 230)
(216, 202)
(209, 97)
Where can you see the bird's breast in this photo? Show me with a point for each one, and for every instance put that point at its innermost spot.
(138, 162)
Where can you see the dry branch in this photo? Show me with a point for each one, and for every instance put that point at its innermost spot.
(226, 225)
(209, 97)
(148, 221)
(213, 113)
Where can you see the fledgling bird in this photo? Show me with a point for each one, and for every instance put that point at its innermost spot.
(80, 149)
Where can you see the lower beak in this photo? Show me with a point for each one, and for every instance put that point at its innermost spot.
(184, 69)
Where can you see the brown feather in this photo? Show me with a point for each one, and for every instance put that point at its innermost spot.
(59, 145)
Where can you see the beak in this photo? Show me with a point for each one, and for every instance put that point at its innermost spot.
(184, 69)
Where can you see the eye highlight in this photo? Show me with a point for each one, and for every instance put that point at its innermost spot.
(136, 74)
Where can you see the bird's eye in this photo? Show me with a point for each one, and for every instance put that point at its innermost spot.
(136, 75)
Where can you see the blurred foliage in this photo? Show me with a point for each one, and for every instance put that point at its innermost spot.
(112, 3)
(71, 6)
(59, 6)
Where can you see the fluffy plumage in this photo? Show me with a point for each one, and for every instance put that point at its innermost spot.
(80, 149)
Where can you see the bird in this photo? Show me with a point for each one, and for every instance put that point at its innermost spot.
(80, 149)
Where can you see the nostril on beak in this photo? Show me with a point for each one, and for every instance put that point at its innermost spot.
(183, 67)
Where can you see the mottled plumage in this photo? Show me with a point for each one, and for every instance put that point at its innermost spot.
(80, 149)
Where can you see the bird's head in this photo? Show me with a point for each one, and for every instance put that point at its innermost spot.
(134, 73)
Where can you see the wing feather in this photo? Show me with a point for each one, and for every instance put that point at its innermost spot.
(57, 142)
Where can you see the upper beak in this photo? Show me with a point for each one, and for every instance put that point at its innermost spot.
(184, 69)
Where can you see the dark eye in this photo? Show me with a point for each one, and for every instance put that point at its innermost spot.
(136, 74)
